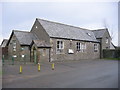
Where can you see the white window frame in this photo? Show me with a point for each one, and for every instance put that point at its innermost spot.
(106, 39)
(14, 45)
(59, 47)
(78, 46)
(36, 27)
(95, 47)
(14, 49)
(22, 48)
(81, 46)
(14, 56)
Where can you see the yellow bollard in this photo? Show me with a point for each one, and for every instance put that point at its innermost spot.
(53, 66)
(20, 69)
(39, 67)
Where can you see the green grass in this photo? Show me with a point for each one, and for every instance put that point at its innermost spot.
(0, 72)
(112, 58)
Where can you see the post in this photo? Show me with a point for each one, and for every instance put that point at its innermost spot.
(53, 66)
(38, 67)
(20, 69)
(12, 60)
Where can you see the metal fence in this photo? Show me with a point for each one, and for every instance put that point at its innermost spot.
(11, 60)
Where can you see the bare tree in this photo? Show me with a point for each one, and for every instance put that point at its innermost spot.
(112, 34)
(105, 25)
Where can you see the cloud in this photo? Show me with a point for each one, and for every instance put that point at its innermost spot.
(87, 15)
(93, 26)
(22, 26)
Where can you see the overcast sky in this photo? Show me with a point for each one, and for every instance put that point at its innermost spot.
(90, 15)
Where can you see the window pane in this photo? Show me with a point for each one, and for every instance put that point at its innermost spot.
(61, 42)
(61, 46)
(58, 46)
(95, 47)
(57, 42)
(14, 49)
(14, 46)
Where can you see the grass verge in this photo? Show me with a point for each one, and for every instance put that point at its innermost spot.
(112, 58)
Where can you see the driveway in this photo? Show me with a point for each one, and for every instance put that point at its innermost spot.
(69, 74)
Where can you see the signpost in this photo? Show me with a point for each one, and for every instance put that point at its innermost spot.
(12, 60)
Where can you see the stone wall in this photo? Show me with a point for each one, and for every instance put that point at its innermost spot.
(87, 54)
(19, 52)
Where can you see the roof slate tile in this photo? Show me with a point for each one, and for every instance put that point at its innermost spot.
(55, 29)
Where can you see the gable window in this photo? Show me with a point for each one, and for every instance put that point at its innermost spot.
(14, 49)
(95, 47)
(106, 39)
(60, 46)
(14, 56)
(14, 42)
(22, 48)
(78, 44)
(14, 45)
(36, 27)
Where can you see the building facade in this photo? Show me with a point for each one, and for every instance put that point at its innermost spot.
(52, 41)
(67, 42)
(104, 37)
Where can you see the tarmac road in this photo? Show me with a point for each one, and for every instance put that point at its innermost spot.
(70, 74)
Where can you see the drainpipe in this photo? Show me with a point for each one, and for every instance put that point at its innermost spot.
(101, 49)
(49, 54)
(30, 53)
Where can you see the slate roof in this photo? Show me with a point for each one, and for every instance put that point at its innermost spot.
(99, 33)
(55, 29)
(4, 43)
(40, 43)
(24, 37)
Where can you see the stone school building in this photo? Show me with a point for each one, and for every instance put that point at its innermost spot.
(52, 41)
